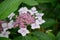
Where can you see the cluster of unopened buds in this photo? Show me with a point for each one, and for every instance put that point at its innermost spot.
(26, 17)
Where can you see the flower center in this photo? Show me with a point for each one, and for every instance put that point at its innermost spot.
(25, 19)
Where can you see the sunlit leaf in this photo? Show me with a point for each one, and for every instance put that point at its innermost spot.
(8, 6)
(30, 2)
(45, 1)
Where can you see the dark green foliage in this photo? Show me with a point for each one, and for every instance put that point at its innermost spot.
(3, 38)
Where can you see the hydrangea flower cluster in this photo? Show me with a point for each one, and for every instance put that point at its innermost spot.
(26, 17)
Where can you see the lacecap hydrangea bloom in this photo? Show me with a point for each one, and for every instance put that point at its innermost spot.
(28, 17)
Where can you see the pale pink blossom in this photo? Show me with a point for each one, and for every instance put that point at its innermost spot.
(4, 34)
(7, 26)
(33, 11)
(39, 14)
(33, 8)
(23, 31)
(35, 25)
(22, 10)
(39, 17)
(10, 24)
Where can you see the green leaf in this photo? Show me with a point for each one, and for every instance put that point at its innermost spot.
(57, 11)
(45, 1)
(19, 38)
(30, 2)
(51, 35)
(8, 6)
(48, 23)
(3, 38)
(29, 37)
(58, 36)
(41, 35)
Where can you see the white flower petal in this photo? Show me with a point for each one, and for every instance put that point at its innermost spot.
(23, 34)
(23, 10)
(42, 21)
(11, 15)
(20, 9)
(39, 18)
(4, 34)
(4, 25)
(34, 26)
(5, 29)
(27, 31)
(33, 8)
(31, 12)
(37, 22)
(39, 14)
(10, 24)
(1, 35)
(23, 31)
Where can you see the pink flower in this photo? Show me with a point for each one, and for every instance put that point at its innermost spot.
(24, 19)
